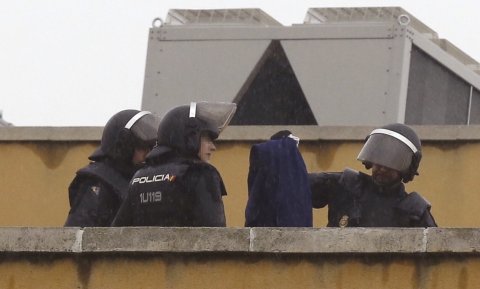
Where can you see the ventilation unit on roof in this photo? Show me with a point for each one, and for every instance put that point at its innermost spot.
(343, 66)
(220, 16)
(365, 14)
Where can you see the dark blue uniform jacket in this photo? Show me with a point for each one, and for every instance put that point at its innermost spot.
(278, 188)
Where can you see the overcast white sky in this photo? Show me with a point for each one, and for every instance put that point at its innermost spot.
(77, 62)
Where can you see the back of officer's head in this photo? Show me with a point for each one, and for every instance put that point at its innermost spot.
(125, 131)
(395, 146)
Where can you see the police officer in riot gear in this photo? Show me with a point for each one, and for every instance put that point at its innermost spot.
(178, 187)
(98, 189)
(355, 199)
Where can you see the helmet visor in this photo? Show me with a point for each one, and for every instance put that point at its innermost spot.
(144, 127)
(218, 114)
(387, 151)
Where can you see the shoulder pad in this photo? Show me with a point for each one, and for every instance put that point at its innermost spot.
(349, 175)
(205, 169)
(323, 177)
(108, 175)
(351, 181)
(414, 204)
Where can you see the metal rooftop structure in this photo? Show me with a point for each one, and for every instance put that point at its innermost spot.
(382, 14)
(366, 14)
(220, 16)
(341, 66)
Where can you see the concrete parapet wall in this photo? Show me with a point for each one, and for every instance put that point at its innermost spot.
(240, 240)
(248, 133)
(155, 257)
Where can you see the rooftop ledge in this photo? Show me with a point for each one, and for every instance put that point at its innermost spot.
(249, 133)
(240, 240)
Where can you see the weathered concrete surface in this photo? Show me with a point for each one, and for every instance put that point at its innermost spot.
(40, 239)
(157, 239)
(335, 240)
(248, 133)
(239, 258)
(455, 240)
(18, 133)
(246, 240)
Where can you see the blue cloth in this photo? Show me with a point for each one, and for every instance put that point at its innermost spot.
(279, 193)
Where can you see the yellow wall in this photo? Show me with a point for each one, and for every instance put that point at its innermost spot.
(35, 176)
(236, 271)
(34, 181)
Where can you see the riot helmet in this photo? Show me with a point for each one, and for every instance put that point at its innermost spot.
(182, 126)
(125, 131)
(395, 146)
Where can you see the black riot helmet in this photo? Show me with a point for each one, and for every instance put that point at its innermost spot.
(394, 146)
(125, 131)
(182, 126)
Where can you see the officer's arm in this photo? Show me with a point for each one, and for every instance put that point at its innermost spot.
(208, 209)
(124, 215)
(319, 185)
(83, 211)
(427, 220)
